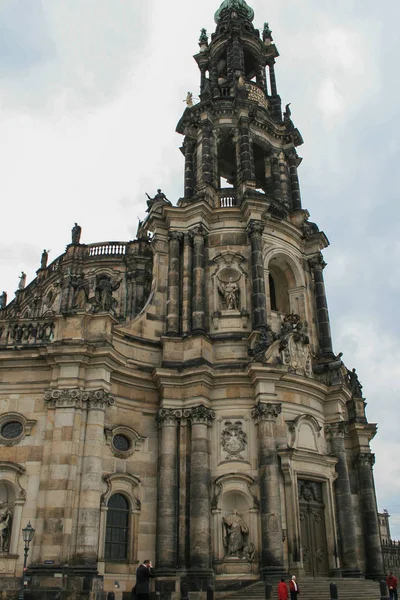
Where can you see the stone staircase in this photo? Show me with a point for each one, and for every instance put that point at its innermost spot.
(313, 589)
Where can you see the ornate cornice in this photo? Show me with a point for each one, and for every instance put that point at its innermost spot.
(255, 228)
(264, 411)
(364, 459)
(77, 398)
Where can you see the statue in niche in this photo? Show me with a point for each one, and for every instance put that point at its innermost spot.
(76, 233)
(44, 259)
(81, 294)
(3, 300)
(354, 384)
(230, 293)
(22, 281)
(234, 531)
(5, 528)
(104, 301)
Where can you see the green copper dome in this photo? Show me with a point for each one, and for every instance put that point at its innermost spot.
(240, 5)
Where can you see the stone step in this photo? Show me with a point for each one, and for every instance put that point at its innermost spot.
(313, 589)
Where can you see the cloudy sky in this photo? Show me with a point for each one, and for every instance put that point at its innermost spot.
(90, 94)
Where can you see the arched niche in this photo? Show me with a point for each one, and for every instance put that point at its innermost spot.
(234, 498)
(12, 499)
(286, 287)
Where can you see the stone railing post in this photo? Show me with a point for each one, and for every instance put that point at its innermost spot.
(364, 462)
(265, 416)
(344, 505)
(167, 502)
(259, 302)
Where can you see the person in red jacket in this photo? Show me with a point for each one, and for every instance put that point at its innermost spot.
(283, 593)
(294, 588)
(392, 585)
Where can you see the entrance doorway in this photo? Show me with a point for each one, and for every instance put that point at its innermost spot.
(312, 528)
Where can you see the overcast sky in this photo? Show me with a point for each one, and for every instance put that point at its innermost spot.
(91, 92)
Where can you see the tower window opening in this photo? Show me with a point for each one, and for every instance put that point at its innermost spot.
(272, 293)
(227, 168)
(279, 291)
(260, 167)
(250, 66)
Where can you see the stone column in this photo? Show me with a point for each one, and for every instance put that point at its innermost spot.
(272, 78)
(344, 506)
(324, 328)
(294, 180)
(259, 301)
(246, 159)
(199, 286)
(284, 180)
(91, 476)
(265, 415)
(276, 177)
(207, 154)
(366, 489)
(201, 418)
(174, 238)
(167, 501)
(187, 284)
(189, 146)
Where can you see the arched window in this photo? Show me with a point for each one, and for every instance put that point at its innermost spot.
(116, 547)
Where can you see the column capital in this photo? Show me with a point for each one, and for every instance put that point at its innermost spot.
(198, 232)
(255, 227)
(175, 236)
(317, 262)
(364, 459)
(168, 416)
(336, 430)
(200, 414)
(266, 411)
(77, 398)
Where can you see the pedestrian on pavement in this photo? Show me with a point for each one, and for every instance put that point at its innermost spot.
(141, 590)
(294, 588)
(391, 582)
(283, 593)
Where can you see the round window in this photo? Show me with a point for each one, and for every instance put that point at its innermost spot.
(12, 430)
(121, 442)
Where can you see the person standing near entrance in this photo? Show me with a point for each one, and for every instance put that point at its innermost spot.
(294, 588)
(391, 582)
(282, 590)
(141, 590)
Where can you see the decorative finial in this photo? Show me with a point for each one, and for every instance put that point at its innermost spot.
(189, 99)
(22, 281)
(3, 300)
(238, 7)
(203, 39)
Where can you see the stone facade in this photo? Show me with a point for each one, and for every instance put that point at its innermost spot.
(177, 397)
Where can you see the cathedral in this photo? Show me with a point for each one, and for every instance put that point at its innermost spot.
(177, 397)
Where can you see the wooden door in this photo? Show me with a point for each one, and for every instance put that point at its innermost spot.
(312, 529)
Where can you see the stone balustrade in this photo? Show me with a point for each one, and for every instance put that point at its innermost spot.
(227, 198)
(27, 332)
(107, 249)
